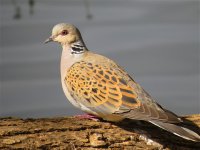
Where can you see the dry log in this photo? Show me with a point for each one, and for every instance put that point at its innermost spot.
(77, 134)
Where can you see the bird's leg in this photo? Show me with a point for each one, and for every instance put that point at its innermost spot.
(88, 116)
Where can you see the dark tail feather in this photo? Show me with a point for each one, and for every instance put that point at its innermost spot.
(178, 130)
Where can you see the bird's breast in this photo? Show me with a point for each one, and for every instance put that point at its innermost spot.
(67, 60)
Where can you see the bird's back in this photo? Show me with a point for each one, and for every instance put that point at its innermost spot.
(98, 83)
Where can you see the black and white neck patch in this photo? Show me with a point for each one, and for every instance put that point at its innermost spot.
(77, 48)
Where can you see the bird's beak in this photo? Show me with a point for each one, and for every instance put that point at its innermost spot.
(50, 39)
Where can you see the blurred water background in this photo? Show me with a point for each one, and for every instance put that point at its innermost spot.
(155, 40)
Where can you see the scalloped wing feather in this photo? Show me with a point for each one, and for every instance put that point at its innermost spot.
(106, 89)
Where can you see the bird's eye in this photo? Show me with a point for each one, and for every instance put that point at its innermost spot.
(64, 32)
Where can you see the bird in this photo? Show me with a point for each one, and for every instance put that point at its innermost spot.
(99, 86)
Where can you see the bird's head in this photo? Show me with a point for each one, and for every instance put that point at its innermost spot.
(64, 33)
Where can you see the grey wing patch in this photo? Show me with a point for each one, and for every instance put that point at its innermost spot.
(148, 110)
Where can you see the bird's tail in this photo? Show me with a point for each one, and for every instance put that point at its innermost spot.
(178, 130)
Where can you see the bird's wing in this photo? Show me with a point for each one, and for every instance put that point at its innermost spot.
(106, 88)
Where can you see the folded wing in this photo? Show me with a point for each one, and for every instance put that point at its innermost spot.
(106, 88)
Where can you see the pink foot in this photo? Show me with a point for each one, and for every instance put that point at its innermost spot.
(87, 116)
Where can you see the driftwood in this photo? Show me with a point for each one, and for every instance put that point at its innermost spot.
(73, 133)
